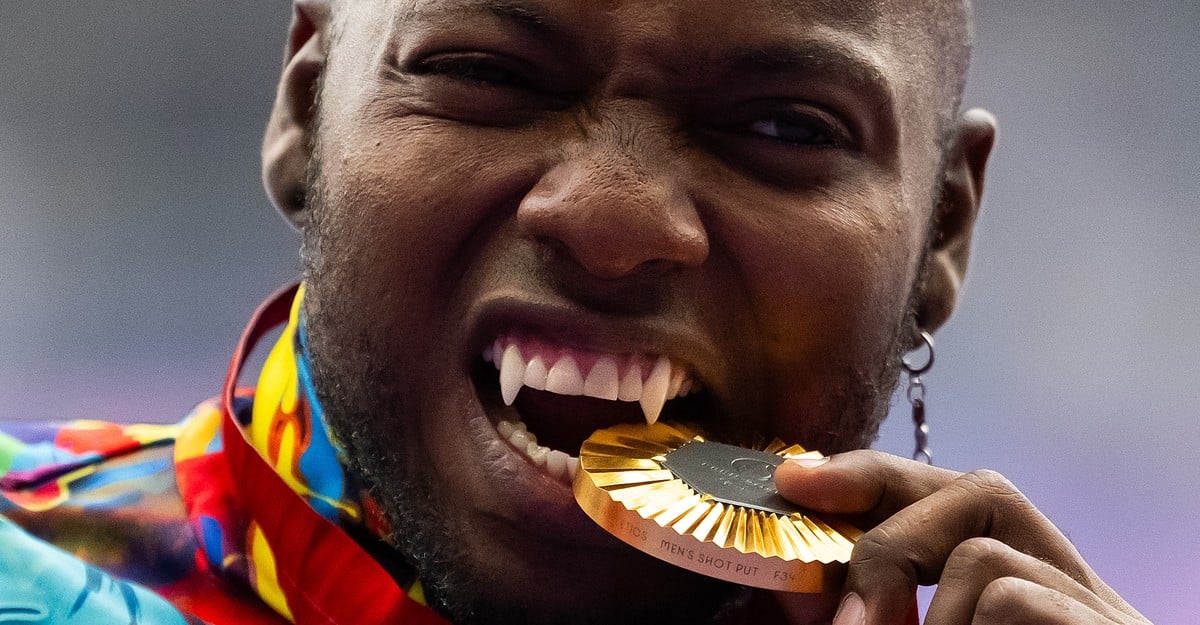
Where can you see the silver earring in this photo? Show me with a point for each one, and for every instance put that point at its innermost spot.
(916, 397)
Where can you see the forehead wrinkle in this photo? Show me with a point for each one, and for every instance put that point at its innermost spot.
(817, 37)
(527, 15)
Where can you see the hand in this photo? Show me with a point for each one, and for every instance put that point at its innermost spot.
(995, 557)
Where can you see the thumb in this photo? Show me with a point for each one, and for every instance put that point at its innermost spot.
(865, 483)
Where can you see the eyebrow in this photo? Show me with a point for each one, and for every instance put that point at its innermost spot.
(810, 57)
(779, 58)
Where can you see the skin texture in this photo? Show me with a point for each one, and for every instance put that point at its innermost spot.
(773, 193)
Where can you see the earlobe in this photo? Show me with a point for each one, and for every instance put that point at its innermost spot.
(286, 144)
(962, 192)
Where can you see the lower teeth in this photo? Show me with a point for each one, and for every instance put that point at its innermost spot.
(557, 464)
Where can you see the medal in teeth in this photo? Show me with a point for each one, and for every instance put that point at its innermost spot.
(707, 507)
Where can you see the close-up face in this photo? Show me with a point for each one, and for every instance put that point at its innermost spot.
(555, 216)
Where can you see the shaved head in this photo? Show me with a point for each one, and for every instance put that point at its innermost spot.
(943, 31)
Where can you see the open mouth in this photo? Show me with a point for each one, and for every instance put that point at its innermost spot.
(546, 399)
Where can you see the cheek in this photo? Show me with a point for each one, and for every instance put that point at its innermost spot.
(829, 276)
(407, 207)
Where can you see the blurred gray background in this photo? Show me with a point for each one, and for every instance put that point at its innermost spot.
(135, 238)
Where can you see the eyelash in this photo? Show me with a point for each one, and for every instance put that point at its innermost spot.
(474, 69)
(821, 132)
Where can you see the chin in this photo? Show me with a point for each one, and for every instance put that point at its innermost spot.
(568, 588)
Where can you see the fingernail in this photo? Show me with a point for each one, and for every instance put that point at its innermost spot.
(851, 612)
(809, 463)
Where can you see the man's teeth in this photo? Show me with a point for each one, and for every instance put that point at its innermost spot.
(555, 463)
(512, 374)
(603, 381)
(630, 388)
(564, 377)
(654, 389)
(648, 381)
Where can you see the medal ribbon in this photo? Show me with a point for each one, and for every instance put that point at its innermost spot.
(299, 561)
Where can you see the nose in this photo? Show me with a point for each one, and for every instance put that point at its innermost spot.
(616, 206)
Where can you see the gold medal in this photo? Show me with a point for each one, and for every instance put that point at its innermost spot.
(708, 507)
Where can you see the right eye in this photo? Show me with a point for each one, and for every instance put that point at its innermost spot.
(484, 87)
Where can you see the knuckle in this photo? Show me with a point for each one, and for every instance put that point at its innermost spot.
(879, 555)
(974, 554)
(1000, 599)
(871, 546)
(989, 479)
(990, 483)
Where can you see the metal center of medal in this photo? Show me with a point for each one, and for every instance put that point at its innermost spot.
(730, 475)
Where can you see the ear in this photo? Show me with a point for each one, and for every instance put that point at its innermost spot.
(954, 224)
(286, 145)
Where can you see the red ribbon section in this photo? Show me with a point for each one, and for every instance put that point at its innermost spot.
(327, 577)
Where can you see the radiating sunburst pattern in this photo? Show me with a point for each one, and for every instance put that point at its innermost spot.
(627, 485)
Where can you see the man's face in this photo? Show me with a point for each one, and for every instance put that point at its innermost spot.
(739, 191)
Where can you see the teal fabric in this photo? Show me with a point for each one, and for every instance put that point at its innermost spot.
(46, 586)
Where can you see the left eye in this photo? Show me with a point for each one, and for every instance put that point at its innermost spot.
(804, 130)
(473, 68)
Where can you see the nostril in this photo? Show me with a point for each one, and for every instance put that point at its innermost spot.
(614, 220)
(612, 253)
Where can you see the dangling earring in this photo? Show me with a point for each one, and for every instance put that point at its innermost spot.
(916, 397)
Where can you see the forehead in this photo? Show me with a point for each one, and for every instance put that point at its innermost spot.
(862, 42)
(848, 14)
(699, 23)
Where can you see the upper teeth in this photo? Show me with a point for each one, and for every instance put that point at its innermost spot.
(650, 381)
